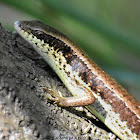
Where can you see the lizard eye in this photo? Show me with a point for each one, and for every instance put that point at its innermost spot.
(40, 35)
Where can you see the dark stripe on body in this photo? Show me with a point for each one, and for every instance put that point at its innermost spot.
(96, 85)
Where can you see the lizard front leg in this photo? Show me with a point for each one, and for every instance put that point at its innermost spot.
(71, 101)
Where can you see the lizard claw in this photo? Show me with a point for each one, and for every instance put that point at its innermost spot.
(57, 98)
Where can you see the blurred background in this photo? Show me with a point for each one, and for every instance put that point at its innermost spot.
(108, 31)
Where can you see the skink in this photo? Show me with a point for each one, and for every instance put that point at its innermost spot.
(84, 79)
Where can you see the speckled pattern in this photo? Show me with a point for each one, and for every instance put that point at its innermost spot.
(108, 95)
(95, 79)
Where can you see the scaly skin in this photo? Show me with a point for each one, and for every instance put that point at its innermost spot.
(85, 80)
